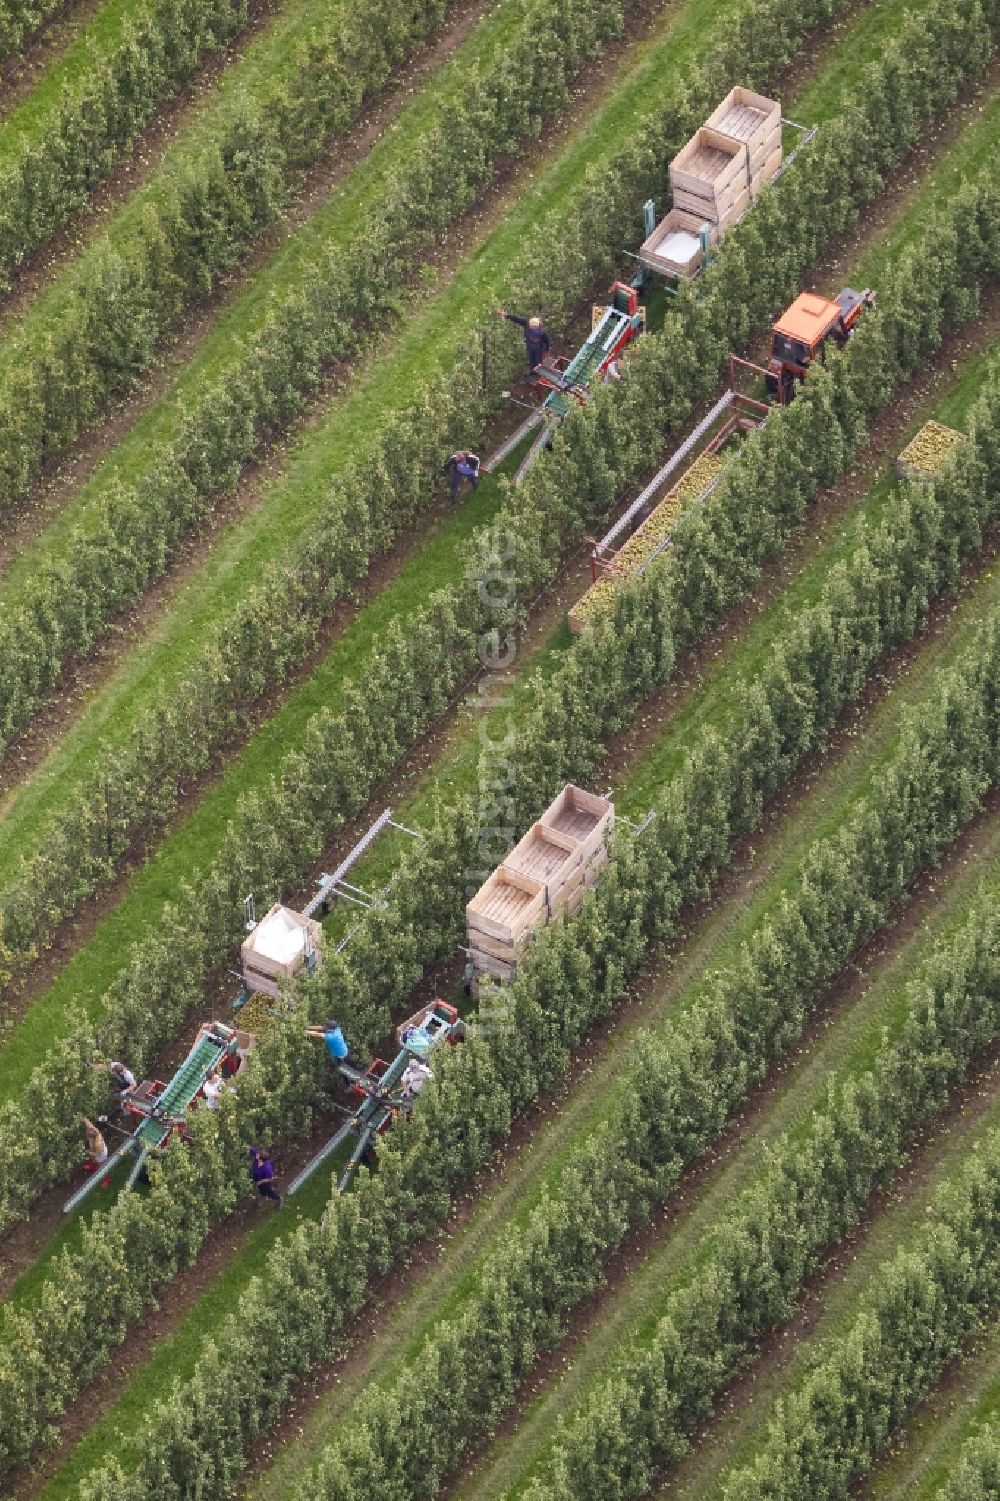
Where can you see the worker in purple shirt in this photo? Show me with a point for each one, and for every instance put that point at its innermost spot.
(463, 464)
(536, 341)
(262, 1169)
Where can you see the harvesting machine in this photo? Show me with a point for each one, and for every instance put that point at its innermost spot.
(569, 381)
(801, 336)
(379, 1093)
(282, 945)
(156, 1110)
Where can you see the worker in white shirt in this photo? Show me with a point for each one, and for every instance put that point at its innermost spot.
(415, 1076)
(121, 1076)
(212, 1089)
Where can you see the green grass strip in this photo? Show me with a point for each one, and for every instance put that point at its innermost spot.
(928, 1448)
(738, 1438)
(37, 113)
(846, 1050)
(174, 1358)
(850, 1047)
(89, 972)
(335, 224)
(744, 656)
(720, 944)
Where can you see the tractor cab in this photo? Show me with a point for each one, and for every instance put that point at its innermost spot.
(801, 333)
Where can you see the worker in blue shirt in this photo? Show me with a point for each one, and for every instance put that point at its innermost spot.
(536, 341)
(334, 1038)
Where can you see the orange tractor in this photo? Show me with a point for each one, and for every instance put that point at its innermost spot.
(801, 333)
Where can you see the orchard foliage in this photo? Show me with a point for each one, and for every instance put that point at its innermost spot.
(920, 1308)
(19, 19)
(103, 330)
(577, 972)
(943, 765)
(48, 174)
(135, 787)
(976, 1476)
(278, 834)
(130, 535)
(681, 1085)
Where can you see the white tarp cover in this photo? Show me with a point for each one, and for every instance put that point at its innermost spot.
(679, 246)
(279, 937)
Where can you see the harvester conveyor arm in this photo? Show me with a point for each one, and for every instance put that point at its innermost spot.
(509, 444)
(133, 1176)
(98, 1175)
(536, 448)
(355, 1157)
(661, 475)
(322, 1155)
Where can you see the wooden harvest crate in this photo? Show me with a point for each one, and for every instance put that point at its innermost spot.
(582, 816)
(927, 453)
(750, 118)
(674, 247)
(276, 949)
(715, 177)
(547, 871)
(506, 907)
(767, 173)
(709, 166)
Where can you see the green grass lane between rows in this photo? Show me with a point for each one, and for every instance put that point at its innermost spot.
(626, 1321)
(117, 1431)
(334, 224)
(38, 112)
(715, 700)
(739, 1434)
(192, 846)
(848, 1046)
(718, 944)
(926, 1450)
(435, 334)
(267, 56)
(535, 1169)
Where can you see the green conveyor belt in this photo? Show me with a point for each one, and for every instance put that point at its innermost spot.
(182, 1089)
(587, 361)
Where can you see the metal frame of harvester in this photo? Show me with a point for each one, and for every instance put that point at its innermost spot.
(156, 1110)
(733, 413)
(569, 381)
(648, 269)
(378, 1089)
(576, 377)
(160, 1109)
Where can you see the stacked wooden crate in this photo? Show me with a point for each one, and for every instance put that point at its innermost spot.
(546, 873)
(756, 122)
(715, 178)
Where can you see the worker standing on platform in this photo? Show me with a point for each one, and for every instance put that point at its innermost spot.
(463, 464)
(333, 1036)
(121, 1076)
(536, 341)
(415, 1076)
(212, 1089)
